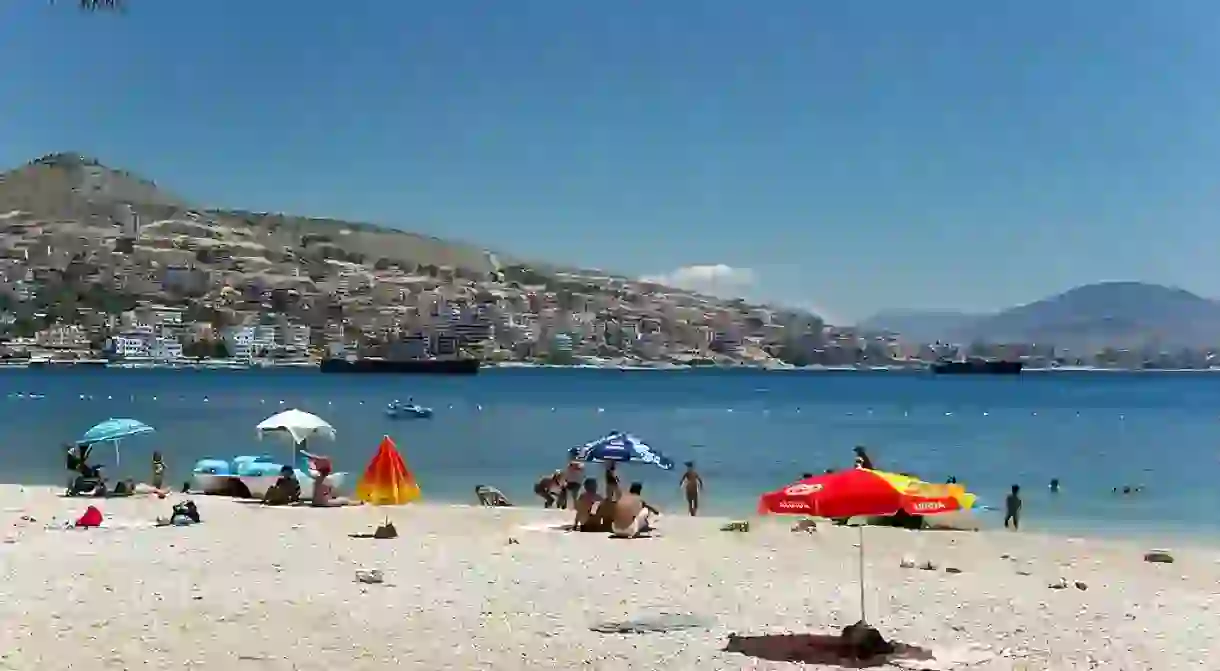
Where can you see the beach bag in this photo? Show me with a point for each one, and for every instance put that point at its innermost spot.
(91, 518)
(186, 509)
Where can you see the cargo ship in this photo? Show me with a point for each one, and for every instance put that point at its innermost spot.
(978, 367)
(454, 366)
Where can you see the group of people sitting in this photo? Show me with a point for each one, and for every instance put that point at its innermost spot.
(621, 515)
(287, 488)
(88, 480)
(625, 516)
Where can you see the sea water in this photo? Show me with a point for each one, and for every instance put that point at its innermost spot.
(748, 431)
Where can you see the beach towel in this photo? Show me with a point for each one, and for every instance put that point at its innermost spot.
(91, 518)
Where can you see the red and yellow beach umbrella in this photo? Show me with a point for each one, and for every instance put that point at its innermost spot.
(860, 492)
(387, 481)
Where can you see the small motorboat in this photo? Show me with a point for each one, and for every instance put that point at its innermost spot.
(396, 410)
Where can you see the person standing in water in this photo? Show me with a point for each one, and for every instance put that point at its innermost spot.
(692, 485)
(1054, 485)
(1012, 508)
(862, 458)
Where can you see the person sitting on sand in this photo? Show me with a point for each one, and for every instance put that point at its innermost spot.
(586, 505)
(323, 493)
(548, 488)
(286, 490)
(491, 497)
(124, 488)
(632, 514)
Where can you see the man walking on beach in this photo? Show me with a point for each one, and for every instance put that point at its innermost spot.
(692, 485)
(1012, 508)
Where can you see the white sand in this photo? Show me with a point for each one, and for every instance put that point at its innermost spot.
(259, 588)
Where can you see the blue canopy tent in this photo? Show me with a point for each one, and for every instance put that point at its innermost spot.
(113, 431)
(622, 447)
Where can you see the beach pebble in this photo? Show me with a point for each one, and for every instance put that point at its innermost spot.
(1081, 585)
(952, 569)
(1158, 557)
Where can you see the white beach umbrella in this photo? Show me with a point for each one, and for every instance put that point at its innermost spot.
(299, 424)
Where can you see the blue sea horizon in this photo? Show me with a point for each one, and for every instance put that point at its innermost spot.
(748, 431)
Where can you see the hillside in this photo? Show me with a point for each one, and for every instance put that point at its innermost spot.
(1116, 314)
(918, 325)
(71, 187)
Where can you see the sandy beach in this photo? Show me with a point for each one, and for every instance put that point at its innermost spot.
(469, 588)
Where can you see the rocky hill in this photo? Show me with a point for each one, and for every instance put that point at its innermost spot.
(69, 187)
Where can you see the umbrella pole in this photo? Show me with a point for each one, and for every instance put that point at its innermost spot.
(861, 529)
(116, 453)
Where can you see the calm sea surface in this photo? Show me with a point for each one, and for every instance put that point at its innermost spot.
(748, 431)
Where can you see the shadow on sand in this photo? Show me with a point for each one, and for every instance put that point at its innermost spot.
(817, 649)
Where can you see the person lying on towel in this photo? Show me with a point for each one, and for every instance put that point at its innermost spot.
(632, 515)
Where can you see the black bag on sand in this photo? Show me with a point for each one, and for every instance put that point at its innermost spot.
(863, 641)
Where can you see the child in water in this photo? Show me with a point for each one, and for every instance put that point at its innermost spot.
(1012, 508)
(158, 471)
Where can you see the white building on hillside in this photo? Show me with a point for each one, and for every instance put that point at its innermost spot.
(129, 345)
(165, 349)
(239, 340)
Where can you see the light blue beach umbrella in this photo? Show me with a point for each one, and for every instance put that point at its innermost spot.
(623, 447)
(114, 430)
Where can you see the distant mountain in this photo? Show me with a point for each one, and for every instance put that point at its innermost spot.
(1115, 314)
(1108, 314)
(919, 325)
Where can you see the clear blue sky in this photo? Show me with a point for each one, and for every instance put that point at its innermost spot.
(852, 155)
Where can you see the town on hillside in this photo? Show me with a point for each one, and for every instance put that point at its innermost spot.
(98, 265)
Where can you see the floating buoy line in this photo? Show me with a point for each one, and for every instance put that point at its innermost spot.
(820, 412)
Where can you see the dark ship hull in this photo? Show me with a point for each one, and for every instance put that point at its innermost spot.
(977, 367)
(403, 366)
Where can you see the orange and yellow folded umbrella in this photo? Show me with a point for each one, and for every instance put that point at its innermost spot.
(387, 481)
